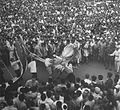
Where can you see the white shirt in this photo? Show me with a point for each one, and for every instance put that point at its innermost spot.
(87, 81)
(32, 66)
(116, 54)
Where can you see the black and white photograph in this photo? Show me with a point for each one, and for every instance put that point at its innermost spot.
(59, 54)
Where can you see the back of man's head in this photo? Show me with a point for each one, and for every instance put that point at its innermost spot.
(48, 94)
(21, 97)
(10, 102)
(93, 78)
(59, 104)
(42, 107)
(43, 97)
(109, 74)
(100, 77)
(87, 76)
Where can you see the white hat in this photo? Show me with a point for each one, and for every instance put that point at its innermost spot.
(97, 90)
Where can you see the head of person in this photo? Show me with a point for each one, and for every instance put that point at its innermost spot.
(85, 93)
(24, 90)
(76, 86)
(10, 82)
(97, 90)
(100, 77)
(90, 97)
(34, 77)
(56, 97)
(21, 97)
(78, 93)
(42, 106)
(68, 85)
(93, 78)
(68, 41)
(3, 85)
(49, 94)
(78, 80)
(50, 80)
(59, 104)
(10, 102)
(117, 76)
(109, 74)
(92, 89)
(87, 76)
(43, 97)
(12, 60)
(116, 48)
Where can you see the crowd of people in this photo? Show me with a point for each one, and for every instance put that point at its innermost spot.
(94, 23)
(46, 27)
(91, 93)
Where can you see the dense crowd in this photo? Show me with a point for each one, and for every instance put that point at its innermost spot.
(46, 27)
(91, 93)
(95, 23)
(64, 19)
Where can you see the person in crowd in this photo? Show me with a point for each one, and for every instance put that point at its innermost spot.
(90, 102)
(49, 100)
(32, 67)
(11, 90)
(109, 81)
(86, 52)
(10, 105)
(100, 82)
(47, 26)
(87, 80)
(116, 54)
(32, 83)
(93, 79)
(19, 102)
(43, 102)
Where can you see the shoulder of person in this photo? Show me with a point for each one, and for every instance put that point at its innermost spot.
(37, 81)
(28, 81)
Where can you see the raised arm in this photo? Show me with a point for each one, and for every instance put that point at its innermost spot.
(113, 54)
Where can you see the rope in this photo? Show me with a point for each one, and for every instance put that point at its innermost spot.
(20, 65)
(22, 72)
